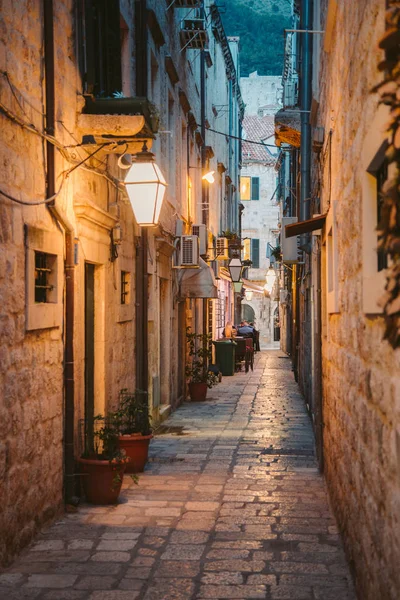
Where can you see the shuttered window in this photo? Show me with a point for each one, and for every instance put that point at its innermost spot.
(100, 32)
(255, 188)
(255, 253)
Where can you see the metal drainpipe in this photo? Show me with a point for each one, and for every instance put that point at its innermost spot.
(69, 390)
(142, 278)
(305, 105)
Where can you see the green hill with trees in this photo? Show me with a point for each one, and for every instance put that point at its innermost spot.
(260, 25)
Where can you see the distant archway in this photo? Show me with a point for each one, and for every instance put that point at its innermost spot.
(277, 327)
(248, 313)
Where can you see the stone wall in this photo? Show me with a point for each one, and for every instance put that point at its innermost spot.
(361, 379)
(31, 374)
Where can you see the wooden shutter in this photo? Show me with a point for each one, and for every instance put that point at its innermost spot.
(255, 253)
(255, 188)
(103, 75)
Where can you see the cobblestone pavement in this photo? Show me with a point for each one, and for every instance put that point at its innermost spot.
(231, 507)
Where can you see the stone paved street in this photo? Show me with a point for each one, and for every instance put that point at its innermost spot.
(231, 506)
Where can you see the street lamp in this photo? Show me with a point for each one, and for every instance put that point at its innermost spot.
(235, 269)
(270, 279)
(145, 185)
(249, 295)
(209, 176)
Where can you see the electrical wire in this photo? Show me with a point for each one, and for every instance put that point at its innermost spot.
(33, 202)
(64, 175)
(234, 137)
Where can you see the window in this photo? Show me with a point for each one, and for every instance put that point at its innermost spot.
(44, 272)
(249, 188)
(255, 188)
(381, 176)
(125, 287)
(99, 28)
(247, 249)
(331, 261)
(375, 170)
(45, 277)
(245, 188)
(255, 253)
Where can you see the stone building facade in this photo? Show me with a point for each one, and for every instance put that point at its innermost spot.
(71, 268)
(361, 372)
(260, 196)
(350, 374)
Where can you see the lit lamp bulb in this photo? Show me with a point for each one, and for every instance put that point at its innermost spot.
(145, 185)
(209, 177)
(270, 280)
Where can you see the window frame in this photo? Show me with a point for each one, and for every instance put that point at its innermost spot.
(257, 186)
(100, 47)
(43, 315)
(255, 249)
(373, 280)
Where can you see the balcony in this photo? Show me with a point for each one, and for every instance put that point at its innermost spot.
(114, 119)
(193, 34)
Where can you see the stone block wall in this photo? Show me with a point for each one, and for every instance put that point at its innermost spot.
(31, 373)
(361, 381)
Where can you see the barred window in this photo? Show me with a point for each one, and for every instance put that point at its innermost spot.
(45, 277)
(125, 287)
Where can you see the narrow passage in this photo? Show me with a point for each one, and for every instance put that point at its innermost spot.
(231, 507)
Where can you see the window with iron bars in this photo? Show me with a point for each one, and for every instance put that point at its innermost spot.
(45, 277)
(125, 287)
(381, 176)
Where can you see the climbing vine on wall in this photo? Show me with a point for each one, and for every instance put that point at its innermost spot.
(389, 226)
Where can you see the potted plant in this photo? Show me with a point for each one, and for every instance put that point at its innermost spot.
(103, 463)
(200, 378)
(133, 422)
(234, 243)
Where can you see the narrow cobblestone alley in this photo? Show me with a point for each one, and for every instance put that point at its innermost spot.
(231, 506)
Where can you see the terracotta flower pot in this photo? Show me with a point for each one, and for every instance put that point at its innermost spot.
(136, 447)
(198, 391)
(102, 480)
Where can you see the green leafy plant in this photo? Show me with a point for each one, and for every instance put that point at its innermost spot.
(199, 356)
(102, 444)
(133, 416)
(277, 253)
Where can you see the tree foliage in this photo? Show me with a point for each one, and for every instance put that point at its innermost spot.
(261, 35)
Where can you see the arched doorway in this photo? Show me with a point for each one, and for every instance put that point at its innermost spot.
(248, 313)
(277, 327)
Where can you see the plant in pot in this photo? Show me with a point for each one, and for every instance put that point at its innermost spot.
(133, 423)
(200, 378)
(103, 463)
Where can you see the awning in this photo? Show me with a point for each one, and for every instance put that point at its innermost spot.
(251, 285)
(305, 226)
(198, 283)
(287, 127)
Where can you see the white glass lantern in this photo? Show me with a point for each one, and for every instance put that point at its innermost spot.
(209, 176)
(270, 279)
(235, 269)
(146, 187)
(249, 295)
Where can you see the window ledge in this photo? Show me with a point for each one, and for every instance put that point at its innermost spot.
(130, 107)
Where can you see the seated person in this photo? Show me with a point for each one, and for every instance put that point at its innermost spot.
(245, 330)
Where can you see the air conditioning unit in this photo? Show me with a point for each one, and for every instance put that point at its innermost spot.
(201, 232)
(221, 249)
(289, 246)
(189, 251)
(216, 267)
